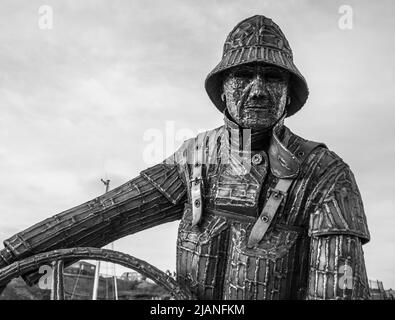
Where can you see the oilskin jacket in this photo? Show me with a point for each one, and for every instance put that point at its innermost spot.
(240, 236)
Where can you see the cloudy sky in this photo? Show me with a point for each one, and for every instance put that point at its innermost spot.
(78, 101)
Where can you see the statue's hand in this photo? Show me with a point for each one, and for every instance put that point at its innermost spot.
(3, 263)
(6, 258)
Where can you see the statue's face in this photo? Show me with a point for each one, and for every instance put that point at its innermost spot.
(256, 95)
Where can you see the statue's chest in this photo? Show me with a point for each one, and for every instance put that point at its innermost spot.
(236, 186)
(213, 260)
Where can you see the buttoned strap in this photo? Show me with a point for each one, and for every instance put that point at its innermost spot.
(277, 195)
(197, 180)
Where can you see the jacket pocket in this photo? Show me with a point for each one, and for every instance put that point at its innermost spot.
(275, 244)
(201, 253)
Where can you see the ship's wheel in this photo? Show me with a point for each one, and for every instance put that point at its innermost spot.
(58, 258)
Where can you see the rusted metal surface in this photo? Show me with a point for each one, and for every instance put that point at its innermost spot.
(257, 39)
(132, 207)
(213, 259)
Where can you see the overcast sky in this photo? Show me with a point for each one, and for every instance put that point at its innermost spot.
(77, 100)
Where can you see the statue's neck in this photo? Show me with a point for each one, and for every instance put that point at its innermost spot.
(259, 139)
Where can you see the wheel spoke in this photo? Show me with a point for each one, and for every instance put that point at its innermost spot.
(57, 258)
(57, 290)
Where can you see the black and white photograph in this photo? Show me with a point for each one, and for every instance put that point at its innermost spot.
(197, 150)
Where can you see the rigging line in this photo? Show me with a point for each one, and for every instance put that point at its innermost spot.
(96, 282)
(106, 182)
(76, 281)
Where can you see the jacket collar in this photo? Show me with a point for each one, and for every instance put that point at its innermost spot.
(283, 163)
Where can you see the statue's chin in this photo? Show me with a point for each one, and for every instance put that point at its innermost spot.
(257, 124)
(255, 119)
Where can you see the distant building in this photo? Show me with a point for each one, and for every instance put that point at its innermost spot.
(82, 268)
(390, 294)
(132, 276)
(377, 290)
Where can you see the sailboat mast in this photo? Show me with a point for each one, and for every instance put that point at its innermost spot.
(97, 269)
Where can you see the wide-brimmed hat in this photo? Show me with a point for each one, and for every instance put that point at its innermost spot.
(257, 40)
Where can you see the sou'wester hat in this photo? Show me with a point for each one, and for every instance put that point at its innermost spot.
(257, 39)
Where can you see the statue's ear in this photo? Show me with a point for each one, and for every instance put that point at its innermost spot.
(222, 88)
(288, 100)
(223, 97)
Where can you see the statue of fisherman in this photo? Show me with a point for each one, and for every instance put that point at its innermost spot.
(264, 213)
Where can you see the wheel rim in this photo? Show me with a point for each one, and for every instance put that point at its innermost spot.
(57, 258)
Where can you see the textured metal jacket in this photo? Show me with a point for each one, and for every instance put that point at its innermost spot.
(312, 249)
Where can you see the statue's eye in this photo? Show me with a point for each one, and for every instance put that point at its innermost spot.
(275, 75)
(245, 74)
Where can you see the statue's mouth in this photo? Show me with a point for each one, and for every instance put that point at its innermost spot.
(262, 102)
(259, 105)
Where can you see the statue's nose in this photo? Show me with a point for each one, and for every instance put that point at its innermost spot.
(257, 87)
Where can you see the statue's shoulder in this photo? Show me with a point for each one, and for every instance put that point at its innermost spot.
(203, 143)
(317, 154)
(338, 206)
(205, 138)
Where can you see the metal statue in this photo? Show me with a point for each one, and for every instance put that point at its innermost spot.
(265, 214)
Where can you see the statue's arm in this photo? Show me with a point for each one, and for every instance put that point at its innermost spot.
(338, 229)
(337, 268)
(154, 197)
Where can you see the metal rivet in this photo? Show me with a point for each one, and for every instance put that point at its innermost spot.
(265, 218)
(301, 153)
(197, 203)
(257, 159)
(276, 195)
(197, 164)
